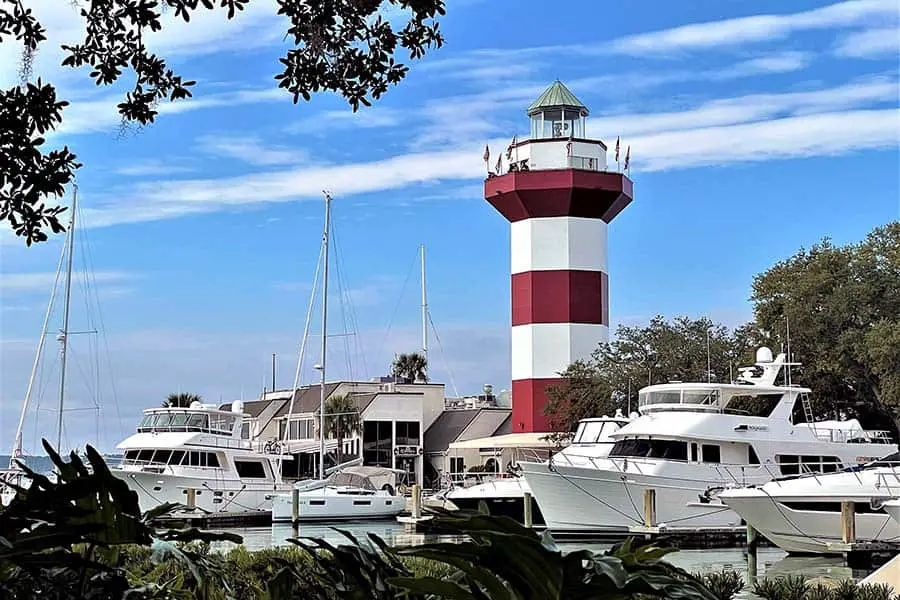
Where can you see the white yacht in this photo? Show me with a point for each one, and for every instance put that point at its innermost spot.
(504, 494)
(689, 438)
(802, 514)
(199, 448)
(351, 493)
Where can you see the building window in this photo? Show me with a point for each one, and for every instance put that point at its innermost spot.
(407, 433)
(377, 444)
(300, 429)
(457, 467)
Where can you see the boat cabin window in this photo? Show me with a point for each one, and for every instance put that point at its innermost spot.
(753, 459)
(171, 457)
(644, 448)
(759, 405)
(695, 452)
(245, 430)
(180, 420)
(712, 453)
(250, 469)
(591, 432)
(791, 464)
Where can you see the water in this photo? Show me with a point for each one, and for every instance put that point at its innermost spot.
(771, 562)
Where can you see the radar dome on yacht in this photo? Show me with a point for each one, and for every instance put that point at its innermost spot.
(764, 355)
(237, 407)
(633, 414)
(196, 404)
(618, 413)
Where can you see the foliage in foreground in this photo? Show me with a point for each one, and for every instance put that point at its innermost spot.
(797, 587)
(83, 536)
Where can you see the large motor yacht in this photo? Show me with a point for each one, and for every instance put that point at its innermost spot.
(802, 514)
(691, 437)
(199, 448)
(504, 494)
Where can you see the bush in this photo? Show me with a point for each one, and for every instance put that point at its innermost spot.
(797, 588)
(724, 584)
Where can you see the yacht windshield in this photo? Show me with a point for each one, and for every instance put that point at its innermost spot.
(181, 420)
(591, 432)
(692, 398)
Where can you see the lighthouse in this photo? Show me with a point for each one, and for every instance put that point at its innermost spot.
(559, 196)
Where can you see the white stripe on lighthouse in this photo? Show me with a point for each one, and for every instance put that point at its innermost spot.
(558, 243)
(544, 350)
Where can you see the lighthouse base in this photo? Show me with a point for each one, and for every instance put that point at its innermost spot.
(529, 397)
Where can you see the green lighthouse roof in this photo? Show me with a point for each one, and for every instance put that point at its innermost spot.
(556, 96)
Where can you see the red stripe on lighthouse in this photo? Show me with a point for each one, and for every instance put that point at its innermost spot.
(562, 296)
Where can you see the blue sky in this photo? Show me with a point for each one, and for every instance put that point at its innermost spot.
(755, 129)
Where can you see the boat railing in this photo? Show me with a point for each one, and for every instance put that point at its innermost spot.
(157, 467)
(849, 436)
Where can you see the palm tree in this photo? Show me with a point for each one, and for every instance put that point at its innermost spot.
(411, 367)
(181, 400)
(341, 421)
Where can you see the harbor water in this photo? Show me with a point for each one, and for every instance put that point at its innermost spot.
(771, 562)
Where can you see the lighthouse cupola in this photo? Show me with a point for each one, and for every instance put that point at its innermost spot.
(557, 113)
(559, 198)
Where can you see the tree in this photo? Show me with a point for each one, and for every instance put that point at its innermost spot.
(341, 421)
(410, 368)
(660, 352)
(343, 46)
(842, 304)
(181, 400)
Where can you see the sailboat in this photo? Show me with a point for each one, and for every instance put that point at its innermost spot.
(14, 474)
(349, 492)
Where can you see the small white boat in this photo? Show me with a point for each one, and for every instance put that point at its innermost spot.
(505, 493)
(351, 493)
(802, 514)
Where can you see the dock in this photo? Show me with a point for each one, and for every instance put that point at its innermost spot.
(221, 520)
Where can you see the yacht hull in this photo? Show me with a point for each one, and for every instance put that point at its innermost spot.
(315, 506)
(893, 509)
(575, 499)
(807, 531)
(212, 495)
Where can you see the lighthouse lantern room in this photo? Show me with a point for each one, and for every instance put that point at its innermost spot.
(559, 197)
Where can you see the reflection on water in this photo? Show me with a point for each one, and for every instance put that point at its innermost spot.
(771, 562)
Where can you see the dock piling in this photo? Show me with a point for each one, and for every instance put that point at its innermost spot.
(848, 522)
(752, 545)
(191, 497)
(528, 517)
(649, 507)
(295, 509)
(417, 501)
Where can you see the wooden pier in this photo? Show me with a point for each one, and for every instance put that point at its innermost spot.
(222, 520)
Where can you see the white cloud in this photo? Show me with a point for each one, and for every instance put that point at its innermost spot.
(251, 149)
(793, 137)
(23, 283)
(883, 42)
(781, 62)
(757, 28)
(332, 120)
(753, 107)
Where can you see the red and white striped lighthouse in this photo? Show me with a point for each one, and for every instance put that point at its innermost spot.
(559, 197)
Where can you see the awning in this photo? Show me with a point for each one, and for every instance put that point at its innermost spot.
(510, 440)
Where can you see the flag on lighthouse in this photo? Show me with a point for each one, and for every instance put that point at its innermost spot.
(487, 153)
(627, 157)
(512, 145)
(617, 148)
(499, 164)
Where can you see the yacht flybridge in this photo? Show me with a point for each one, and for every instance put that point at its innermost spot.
(694, 437)
(197, 456)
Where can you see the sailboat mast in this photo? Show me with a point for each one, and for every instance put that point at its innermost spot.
(64, 334)
(324, 337)
(17, 445)
(424, 310)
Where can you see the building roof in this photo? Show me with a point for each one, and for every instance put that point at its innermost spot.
(506, 426)
(455, 425)
(447, 427)
(557, 96)
(306, 400)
